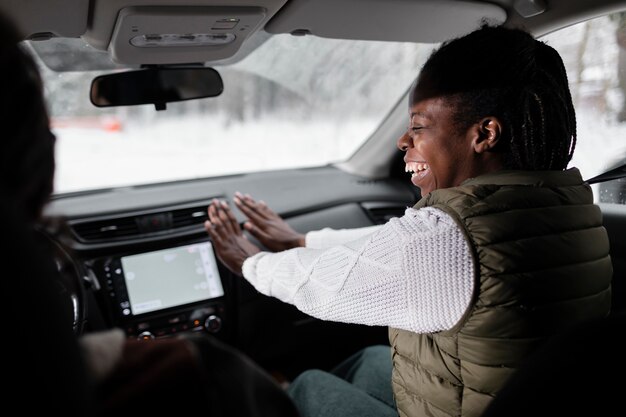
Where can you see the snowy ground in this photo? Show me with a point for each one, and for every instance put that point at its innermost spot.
(94, 157)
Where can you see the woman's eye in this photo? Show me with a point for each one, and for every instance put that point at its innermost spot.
(416, 129)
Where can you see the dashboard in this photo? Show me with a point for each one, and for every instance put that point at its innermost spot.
(149, 268)
(140, 260)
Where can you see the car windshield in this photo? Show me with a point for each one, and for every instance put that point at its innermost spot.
(292, 102)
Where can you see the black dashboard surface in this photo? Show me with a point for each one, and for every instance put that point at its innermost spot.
(288, 192)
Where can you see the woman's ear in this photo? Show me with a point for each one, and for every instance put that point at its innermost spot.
(488, 132)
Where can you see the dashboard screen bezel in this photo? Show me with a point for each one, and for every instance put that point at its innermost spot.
(116, 283)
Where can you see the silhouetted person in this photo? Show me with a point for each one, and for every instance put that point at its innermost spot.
(47, 367)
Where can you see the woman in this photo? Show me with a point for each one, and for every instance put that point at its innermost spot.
(504, 250)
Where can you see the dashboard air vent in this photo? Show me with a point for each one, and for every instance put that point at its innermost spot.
(108, 229)
(190, 216)
(141, 224)
(381, 213)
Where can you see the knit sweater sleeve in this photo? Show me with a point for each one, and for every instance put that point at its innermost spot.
(328, 237)
(414, 273)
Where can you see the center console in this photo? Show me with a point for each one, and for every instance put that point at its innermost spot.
(163, 292)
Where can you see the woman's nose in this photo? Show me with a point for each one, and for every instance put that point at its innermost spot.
(404, 142)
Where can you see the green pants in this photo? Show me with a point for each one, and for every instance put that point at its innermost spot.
(359, 386)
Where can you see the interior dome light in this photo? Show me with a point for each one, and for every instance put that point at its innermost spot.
(187, 39)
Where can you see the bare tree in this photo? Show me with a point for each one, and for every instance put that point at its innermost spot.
(620, 34)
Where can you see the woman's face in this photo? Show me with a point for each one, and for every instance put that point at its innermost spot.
(438, 153)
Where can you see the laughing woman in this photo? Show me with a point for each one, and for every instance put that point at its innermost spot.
(504, 250)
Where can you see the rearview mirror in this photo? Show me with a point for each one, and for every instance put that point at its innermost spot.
(155, 86)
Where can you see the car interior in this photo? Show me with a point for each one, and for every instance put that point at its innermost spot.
(161, 106)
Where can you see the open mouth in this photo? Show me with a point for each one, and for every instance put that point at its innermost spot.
(417, 169)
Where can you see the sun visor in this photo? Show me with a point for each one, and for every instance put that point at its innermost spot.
(53, 18)
(384, 20)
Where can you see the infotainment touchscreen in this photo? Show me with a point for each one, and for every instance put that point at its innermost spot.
(171, 277)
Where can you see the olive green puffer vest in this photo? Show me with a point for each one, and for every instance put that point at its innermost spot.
(542, 264)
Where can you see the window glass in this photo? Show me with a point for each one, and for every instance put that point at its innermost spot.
(595, 58)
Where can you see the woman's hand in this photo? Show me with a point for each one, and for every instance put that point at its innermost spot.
(267, 226)
(231, 246)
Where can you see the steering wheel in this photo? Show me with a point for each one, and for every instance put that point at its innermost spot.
(70, 284)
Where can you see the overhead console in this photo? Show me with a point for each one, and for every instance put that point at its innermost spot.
(170, 35)
(166, 32)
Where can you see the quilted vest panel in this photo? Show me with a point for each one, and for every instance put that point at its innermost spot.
(542, 264)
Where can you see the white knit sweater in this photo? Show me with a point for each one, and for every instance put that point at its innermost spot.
(414, 273)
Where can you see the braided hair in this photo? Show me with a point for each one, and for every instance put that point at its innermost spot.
(506, 73)
(27, 148)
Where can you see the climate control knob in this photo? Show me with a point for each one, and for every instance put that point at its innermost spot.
(145, 336)
(213, 323)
